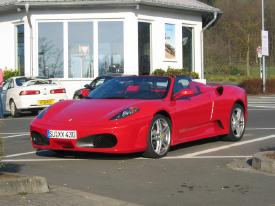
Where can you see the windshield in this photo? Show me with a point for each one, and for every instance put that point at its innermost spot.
(134, 87)
(21, 80)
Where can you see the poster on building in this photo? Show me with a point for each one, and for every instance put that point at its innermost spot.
(170, 41)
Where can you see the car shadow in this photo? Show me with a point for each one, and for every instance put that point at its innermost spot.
(22, 115)
(86, 155)
(196, 143)
(10, 167)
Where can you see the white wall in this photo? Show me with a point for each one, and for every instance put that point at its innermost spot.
(157, 17)
(7, 40)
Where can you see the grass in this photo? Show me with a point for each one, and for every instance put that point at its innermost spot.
(236, 74)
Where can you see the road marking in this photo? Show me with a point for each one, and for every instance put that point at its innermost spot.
(209, 157)
(263, 109)
(13, 132)
(256, 102)
(12, 136)
(260, 129)
(225, 147)
(259, 106)
(38, 160)
(23, 118)
(267, 97)
(21, 154)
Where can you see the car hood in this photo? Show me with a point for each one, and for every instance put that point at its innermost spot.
(87, 111)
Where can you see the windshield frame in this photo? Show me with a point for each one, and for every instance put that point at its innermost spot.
(95, 94)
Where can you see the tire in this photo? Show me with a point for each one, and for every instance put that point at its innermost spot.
(34, 112)
(76, 97)
(159, 137)
(14, 111)
(237, 124)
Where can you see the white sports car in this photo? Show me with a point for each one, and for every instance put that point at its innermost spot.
(30, 94)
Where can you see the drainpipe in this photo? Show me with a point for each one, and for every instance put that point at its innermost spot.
(27, 6)
(202, 46)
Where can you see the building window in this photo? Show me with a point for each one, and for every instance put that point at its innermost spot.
(144, 48)
(50, 49)
(187, 48)
(170, 43)
(20, 57)
(80, 49)
(110, 47)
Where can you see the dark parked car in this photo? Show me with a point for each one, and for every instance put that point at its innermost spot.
(84, 92)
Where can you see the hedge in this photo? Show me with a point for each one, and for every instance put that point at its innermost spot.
(175, 72)
(10, 73)
(255, 86)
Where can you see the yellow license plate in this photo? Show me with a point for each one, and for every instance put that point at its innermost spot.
(46, 102)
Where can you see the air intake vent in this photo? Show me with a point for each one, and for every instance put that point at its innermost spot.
(98, 141)
(39, 139)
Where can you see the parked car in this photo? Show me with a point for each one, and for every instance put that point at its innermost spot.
(30, 94)
(84, 92)
(142, 114)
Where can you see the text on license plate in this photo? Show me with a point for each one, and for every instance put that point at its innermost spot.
(46, 102)
(62, 134)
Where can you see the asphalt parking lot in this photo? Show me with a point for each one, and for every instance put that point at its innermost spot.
(195, 173)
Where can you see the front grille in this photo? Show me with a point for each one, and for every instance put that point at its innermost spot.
(98, 141)
(39, 139)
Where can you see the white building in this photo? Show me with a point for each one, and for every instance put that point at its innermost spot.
(75, 41)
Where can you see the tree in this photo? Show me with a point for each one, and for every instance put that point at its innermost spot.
(234, 39)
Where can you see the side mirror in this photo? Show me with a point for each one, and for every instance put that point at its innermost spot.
(183, 93)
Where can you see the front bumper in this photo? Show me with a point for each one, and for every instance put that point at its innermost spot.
(129, 138)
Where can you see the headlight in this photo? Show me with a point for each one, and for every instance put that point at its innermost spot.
(43, 112)
(125, 113)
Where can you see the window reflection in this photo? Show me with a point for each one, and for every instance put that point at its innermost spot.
(20, 49)
(50, 48)
(80, 49)
(110, 47)
(187, 47)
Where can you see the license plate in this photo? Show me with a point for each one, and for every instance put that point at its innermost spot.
(46, 102)
(62, 134)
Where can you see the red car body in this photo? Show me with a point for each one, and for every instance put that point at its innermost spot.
(203, 115)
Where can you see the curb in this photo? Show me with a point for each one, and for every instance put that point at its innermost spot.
(262, 162)
(11, 184)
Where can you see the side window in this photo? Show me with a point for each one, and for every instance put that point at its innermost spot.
(99, 82)
(183, 83)
(11, 84)
(6, 85)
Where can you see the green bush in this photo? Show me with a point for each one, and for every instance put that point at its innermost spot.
(176, 72)
(159, 72)
(10, 73)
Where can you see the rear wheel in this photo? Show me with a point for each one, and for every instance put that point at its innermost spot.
(14, 111)
(237, 124)
(159, 139)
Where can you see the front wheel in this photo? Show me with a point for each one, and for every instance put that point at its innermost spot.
(14, 111)
(159, 139)
(237, 124)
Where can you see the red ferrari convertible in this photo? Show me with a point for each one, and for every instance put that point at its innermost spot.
(146, 114)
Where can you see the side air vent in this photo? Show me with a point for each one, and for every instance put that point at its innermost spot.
(219, 90)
